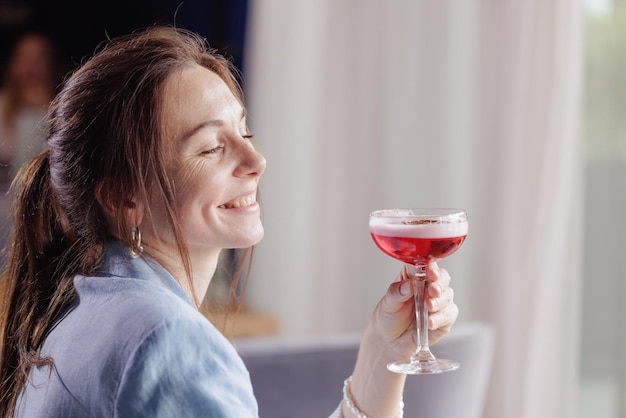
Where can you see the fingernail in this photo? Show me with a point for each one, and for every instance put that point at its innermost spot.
(434, 290)
(432, 325)
(436, 271)
(405, 288)
(434, 303)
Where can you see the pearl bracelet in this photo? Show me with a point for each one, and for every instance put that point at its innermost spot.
(347, 398)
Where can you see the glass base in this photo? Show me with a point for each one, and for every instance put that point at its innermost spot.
(423, 366)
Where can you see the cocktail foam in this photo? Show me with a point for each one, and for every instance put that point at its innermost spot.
(410, 228)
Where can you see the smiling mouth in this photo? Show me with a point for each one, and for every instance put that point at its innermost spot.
(239, 203)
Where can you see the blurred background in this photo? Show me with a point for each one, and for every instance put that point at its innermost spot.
(514, 111)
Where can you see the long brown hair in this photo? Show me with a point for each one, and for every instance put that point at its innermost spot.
(105, 134)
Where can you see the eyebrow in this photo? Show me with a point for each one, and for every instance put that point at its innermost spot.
(208, 123)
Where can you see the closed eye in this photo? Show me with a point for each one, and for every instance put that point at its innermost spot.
(213, 150)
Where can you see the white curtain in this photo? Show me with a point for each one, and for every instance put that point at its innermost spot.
(361, 105)
(533, 210)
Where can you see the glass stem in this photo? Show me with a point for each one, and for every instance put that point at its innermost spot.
(420, 286)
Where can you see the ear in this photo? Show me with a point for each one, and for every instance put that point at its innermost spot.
(103, 199)
(133, 211)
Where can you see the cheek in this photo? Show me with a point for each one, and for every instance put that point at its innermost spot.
(186, 176)
(196, 189)
(191, 181)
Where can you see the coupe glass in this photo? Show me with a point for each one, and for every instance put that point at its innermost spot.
(416, 236)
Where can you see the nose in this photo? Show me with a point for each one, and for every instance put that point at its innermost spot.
(252, 162)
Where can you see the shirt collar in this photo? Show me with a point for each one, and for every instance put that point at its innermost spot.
(117, 262)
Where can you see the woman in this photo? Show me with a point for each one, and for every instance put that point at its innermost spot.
(28, 87)
(150, 173)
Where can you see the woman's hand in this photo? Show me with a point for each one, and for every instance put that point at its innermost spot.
(392, 335)
(394, 316)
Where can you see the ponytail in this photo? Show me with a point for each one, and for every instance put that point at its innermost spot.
(37, 281)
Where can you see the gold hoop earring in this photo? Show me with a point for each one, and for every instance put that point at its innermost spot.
(135, 248)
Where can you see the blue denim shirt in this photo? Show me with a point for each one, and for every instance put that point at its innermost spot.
(134, 345)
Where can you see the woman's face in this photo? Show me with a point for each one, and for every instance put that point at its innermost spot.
(214, 166)
(31, 63)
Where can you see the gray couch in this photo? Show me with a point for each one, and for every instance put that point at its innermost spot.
(303, 378)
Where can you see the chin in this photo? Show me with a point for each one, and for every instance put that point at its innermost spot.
(251, 240)
(256, 239)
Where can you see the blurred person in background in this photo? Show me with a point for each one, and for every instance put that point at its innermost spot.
(28, 86)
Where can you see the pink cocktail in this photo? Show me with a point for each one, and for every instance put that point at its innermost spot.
(416, 242)
(416, 236)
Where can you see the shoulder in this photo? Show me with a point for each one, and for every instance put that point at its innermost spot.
(112, 316)
(128, 310)
(141, 350)
(185, 365)
(173, 359)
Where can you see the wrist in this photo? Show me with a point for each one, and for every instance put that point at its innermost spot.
(353, 408)
(377, 348)
(376, 391)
